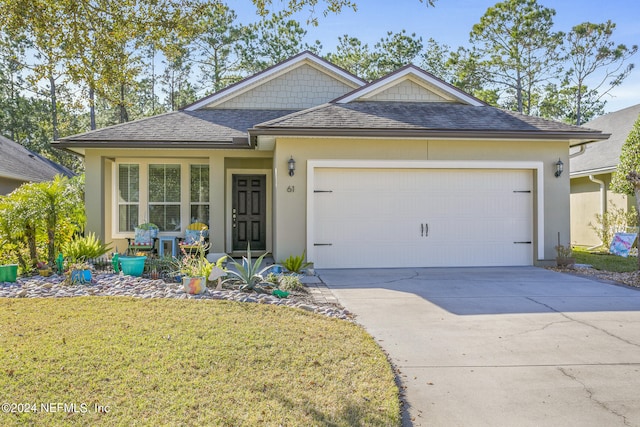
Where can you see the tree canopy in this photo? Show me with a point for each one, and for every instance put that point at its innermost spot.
(626, 179)
(110, 61)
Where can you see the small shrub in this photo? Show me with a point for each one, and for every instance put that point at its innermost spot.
(296, 264)
(564, 251)
(290, 282)
(285, 282)
(615, 220)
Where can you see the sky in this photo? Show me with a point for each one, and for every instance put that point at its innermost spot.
(450, 22)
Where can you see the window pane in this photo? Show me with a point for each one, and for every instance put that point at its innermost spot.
(156, 183)
(128, 182)
(200, 213)
(200, 183)
(166, 217)
(173, 183)
(128, 217)
(164, 183)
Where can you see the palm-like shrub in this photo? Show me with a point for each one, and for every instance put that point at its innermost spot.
(81, 248)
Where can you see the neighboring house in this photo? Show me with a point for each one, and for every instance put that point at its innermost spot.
(591, 172)
(19, 165)
(405, 171)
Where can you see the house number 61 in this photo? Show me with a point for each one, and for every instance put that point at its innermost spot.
(291, 189)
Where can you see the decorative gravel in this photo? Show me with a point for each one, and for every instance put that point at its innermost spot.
(631, 278)
(121, 285)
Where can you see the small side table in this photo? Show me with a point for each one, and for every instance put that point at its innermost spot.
(168, 239)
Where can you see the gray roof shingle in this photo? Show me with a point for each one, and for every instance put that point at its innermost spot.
(179, 128)
(16, 162)
(606, 154)
(418, 116)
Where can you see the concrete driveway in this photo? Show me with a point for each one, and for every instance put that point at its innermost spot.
(518, 346)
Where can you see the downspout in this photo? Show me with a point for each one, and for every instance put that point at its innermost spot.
(583, 148)
(603, 198)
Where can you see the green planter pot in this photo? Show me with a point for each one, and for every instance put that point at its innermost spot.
(8, 273)
(194, 285)
(132, 265)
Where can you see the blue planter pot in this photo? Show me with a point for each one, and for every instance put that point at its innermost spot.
(81, 276)
(132, 266)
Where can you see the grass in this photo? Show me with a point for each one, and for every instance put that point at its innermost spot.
(602, 260)
(189, 362)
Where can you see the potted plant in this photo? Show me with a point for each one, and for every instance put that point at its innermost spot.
(153, 229)
(195, 269)
(43, 269)
(565, 256)
(79, 273)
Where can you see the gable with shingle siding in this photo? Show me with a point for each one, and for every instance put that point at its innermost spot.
(302, 87)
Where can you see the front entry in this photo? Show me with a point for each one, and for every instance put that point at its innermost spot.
(248, 212)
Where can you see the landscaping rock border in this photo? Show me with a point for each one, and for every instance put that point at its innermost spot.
(630, 278)
(139, 287)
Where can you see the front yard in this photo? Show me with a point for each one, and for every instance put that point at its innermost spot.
(126, 361)
(606, 266)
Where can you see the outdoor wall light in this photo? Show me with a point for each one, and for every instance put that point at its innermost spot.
(292, 166)
(559, 168)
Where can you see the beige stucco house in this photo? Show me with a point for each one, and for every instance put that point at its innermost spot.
(19, 165)
(403, 171)
(592, 167)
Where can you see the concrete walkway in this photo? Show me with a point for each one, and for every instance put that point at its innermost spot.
(502, 346)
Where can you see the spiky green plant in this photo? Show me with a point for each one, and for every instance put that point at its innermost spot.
(81, 248)
(296, 264)
(248, 272)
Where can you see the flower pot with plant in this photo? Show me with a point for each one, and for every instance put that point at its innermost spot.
(79, 273)
(43, 269)
(194, 269)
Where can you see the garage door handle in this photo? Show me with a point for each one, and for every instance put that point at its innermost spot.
(524, 243)
(424, 230)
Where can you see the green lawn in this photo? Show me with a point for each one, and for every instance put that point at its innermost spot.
(602, 260)
(125, 361)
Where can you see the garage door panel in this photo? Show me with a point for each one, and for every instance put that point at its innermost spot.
(380, 217)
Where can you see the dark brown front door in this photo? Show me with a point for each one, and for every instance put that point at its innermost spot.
(248, 212)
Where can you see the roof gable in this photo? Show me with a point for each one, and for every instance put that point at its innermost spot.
(21, 164)
(303, 81)
(604, 156)
(410, 84)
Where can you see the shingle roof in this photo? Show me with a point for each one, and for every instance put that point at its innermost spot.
(605, 155)
(16, 162)
(209, 128)
(431, 118)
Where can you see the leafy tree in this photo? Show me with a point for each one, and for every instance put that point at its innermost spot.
(626, 179)
(559, 104)
(589, 50)
(271, 41)
(176, 79)
(330, 6)
(217, 42)
(517, 48)
(435, 60)
(40, 217)
(467, 74)
(353, 56)
(396, 50)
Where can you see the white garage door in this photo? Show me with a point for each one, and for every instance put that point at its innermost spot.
(422, 217)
